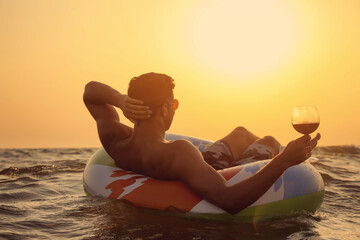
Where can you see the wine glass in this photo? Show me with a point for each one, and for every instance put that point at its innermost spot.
(305, 119)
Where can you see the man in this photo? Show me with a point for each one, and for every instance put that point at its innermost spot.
(150, 104)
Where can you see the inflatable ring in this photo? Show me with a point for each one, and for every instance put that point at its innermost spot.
(300, 188)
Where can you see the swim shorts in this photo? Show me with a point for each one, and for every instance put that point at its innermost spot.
(219, 156)
(255, 152)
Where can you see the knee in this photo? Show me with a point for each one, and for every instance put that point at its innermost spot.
(240, 130)
(272, 141)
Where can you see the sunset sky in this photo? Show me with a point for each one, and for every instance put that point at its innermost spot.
(235, 63)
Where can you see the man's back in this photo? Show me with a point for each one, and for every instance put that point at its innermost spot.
(155, 159)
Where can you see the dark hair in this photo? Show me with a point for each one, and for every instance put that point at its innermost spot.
(152, 88)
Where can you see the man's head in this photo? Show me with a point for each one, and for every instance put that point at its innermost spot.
(155, 89)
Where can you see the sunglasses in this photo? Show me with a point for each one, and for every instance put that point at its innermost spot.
(158, 102)
(175, 104)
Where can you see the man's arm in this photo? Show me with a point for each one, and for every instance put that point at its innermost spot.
(101, 100)
(210, 185)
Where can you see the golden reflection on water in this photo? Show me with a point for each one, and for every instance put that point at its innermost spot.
(121, 220)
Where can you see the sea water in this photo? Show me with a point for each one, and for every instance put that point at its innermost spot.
(42, 197)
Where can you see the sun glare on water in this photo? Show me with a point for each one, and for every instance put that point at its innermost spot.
(244, 38)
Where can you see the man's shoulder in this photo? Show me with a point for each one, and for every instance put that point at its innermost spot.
(184, 149)
(182, 145)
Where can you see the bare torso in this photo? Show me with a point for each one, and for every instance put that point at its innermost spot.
(145, 157)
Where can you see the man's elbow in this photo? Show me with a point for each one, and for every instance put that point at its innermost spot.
(89, 88)
(227, 202)
(231, 208)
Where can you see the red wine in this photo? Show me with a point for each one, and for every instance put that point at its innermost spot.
(306, 128)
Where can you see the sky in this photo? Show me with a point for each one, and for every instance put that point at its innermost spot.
(235, 63)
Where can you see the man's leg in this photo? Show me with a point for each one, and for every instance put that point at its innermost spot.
(229, 150)
(239, 140)
(271, 143)
(223, 153)
(262, 149)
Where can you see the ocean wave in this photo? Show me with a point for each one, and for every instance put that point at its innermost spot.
(327, 177)
(350, 149)
(41, 170)
(41, 197)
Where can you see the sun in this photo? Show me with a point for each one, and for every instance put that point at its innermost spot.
(243, 38)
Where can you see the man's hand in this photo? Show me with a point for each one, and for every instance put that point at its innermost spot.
(133, 109)
(102, 100)
(300, 149)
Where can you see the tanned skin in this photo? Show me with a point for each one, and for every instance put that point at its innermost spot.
(143, 149)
